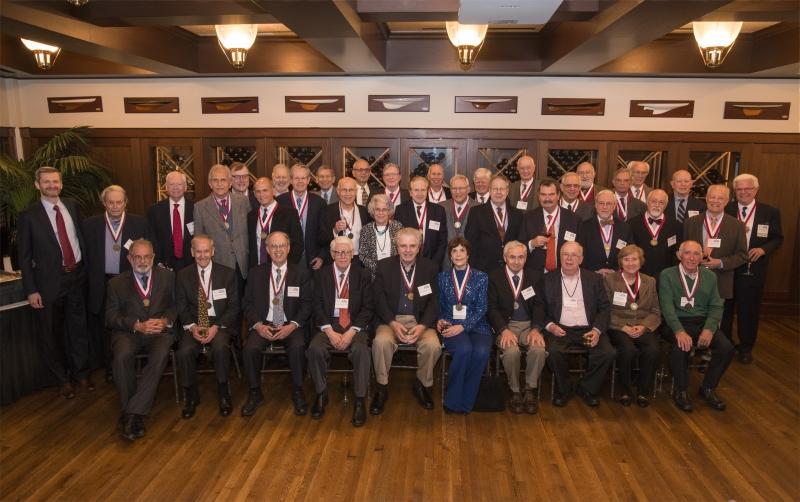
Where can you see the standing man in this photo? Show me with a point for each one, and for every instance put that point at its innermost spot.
(241, 182)
(456, 211)
(207, 303)
(522, 193)
(427, 217)
(571, 197)
(140, 312)
(362, 174)
(604, 235)
(546, 228)
(280, 179)
(223, 217)
(639, 170)
(491, 226)
(627, 206)
(343, 219)
(682, 205)
(326, 179)
(437, 192)
(657, 235)
(50, 251)
(588, 189)
(267, 218)
(172, 223)
(391, 181)
(482, 179)
(307, 207)
(764, 237)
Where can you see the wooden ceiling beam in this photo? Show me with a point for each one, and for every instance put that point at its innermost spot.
(171, 13)
(775, 47)
(787, 11)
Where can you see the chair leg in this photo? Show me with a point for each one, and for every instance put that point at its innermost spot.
(344, 389)
(613, 377)
(175, 378)
(236, 363)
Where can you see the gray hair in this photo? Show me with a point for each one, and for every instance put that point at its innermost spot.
(341, 239)
(511, 245)
(377, 198)
(410, 231)
(482, 172)
(112, 188)
(219, 167)
(745, 177)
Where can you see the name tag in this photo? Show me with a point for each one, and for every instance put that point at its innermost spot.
(190, 227)
(528, 292)
(219, 294)
(672, 241)
(212, 312)
(293, 291)
(460, 314)
(621, 244)
(433, 225)
(620, 298)
(424, 290)
(522, 205)
(762, 230)
(341, 303)
(685, 301)
(691, 213)
(385, 253)
(571, 303)
(129, 243)
(714, 243)
(569, 236)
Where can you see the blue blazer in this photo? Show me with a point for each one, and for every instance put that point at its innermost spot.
(475, 298)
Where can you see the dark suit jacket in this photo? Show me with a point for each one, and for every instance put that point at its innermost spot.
(334, 197)
(661, 256)
(594, 255)
(186, 291)
(474, 196)
(434, 246)
(94, 231)
(404, 195)
(595, 190)
(501, 297)
(159, 217)
(39, 252)
(447, 194)
(486, 253)
(732, 250)
(389, 282)
(311, 238)
(533, 195)
(583, 210)
(764, 215)
(634, 207)
(124, 305)
(595, 300)
(256, 295)
(533, 225)
(692, 204)
(284, 220)
(328, 217)
(360, 298)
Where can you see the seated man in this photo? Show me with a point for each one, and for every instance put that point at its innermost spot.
(342, 311)
(407, 306)
(140, 311)
(512, 300)
(692, 308)
(277, 307)
(207, 301)
(576, 313)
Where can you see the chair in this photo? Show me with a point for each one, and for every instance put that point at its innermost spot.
(344, 372)
(700, 365)
(583, 354)
(498, 367)
(141, 358)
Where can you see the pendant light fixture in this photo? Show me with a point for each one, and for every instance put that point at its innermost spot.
(235, 40)
(44, 54)
(715, 40)
(467, 39)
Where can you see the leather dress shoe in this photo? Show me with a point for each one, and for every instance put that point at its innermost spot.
(127, 426)
(588, 398)
(423, 395)
(561, 400)
(299, 402)
(625, 398)
(642, 401)
(67, 391)
(189, 408)
(379, 399)
(712, 398)
(109, 376)
(138, 426)
(515, 403)
(225, 405)
(359, 412)
(530, 401)
(681, 399)
(318, 408)
(86, 385)
(746, 357)
(254, 400)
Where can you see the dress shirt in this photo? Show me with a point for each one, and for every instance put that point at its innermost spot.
(112, 257)
(72, 234)
(361, 201)
(202, 281)
(326, 195)
(181, 207)
(749, 227)
(355, 227)
(572, 316)
(505, 214)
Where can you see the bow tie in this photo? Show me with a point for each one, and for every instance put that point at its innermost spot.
(653, 221)
(607, 221)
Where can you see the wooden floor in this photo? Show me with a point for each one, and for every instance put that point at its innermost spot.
(51, 449)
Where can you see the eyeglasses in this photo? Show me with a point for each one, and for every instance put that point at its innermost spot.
(341, 253)
(361, 170)
(278, 246)
(241, 176)
(380, 210)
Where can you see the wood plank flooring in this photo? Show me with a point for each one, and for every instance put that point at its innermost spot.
(51, 449)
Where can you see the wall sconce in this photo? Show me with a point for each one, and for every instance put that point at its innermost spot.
(77, 3)
(235, 40)
(44, 54)
(715, 40)
(467, 39)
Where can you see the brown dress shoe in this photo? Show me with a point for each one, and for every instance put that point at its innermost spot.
(86, 385)
(530, 401)
(67, 391)
(516, 402)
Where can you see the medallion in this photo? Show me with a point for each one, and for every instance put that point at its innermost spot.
(516, 305)
(146, 302)
(459, 307)
(227, 225)
(457, 224)
(276, 300)
(410, 296)
(634, 305)
(350, 235)
(654, 242)
(263, 236)
(116, 248)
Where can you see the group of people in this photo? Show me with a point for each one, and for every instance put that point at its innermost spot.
(536, 267)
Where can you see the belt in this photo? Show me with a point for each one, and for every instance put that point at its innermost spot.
(71, 268)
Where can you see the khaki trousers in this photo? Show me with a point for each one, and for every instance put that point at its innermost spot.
(534, 358)
(429, 348)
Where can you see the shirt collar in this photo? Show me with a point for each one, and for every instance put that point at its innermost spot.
(181, 202)
(207, 269)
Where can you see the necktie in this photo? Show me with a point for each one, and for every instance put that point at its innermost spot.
(419, 211)
(299, 201)
(636, 192)
(500, 226)
(203, 274)
(480, 199)
(681, 215)
(572, 207)
(202, 306)
(550, 258)
(744, 211)
(653, 221)
(607, 221)
(177, 232)
(262, 251)
(707, 249)
(622, 203)
(515, 278)
(364, 195)
(63, 240)
(522, 190)
(223, 208)
(326, 196)
(143, 280)
(344, 314)
(278, 316)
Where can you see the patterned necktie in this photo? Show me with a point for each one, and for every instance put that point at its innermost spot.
(326, 196)
(344, 314)
(262, 251)
(681, 211)
(515, 278)
(278, 316)
(177, 232)
(522, 190)
(500, 225)
(550, 259)
(299, 201)
(419, 211)
(202, 305)
(364, 195)
(744, 211)
(143, 280)
(63, 239)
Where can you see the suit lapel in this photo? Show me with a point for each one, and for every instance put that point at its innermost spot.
(44, 220)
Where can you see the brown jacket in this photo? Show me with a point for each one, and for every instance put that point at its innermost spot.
(648, 312)
(732, 250)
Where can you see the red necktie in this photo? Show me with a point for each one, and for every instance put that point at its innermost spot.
(63, 239)
(550, 259)
(177, 233)
(344, 314)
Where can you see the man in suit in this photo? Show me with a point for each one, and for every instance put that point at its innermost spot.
(207, 303)
(343, 308)
(277, 306)
(512, 302)
(437, 192)
(658, 235)
(456, 211)
(491, 226)
(522, 192)
(223, 217)
(627, 206)
(571, 197)
(391, 186)
(692, 310)
(604, 235)
(682, 205)
(240, 174)
(108, 237)
(481, 179)
(307, 207)
(546, 228)
(427, 217)
(724, 240)
(171, 222)
(406, 307)
(140, 312)
(281, 179)
(764, 237)
(344, 218)
(50, 246)
(588, 188)
(362, 173)
(326, 179)
(639, 170)
(270, 216)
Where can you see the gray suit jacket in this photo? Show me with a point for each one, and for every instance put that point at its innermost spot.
(533, 195)
(732, 250)
(452, 231)
(334, 197)
(230, 246)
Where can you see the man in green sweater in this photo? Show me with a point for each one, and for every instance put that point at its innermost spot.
(692, 309)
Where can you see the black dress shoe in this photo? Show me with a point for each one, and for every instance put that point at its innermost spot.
(299, 402)
(225, 405)
(681, 399)
(530, 401)
(138, 424)
(109, 376)
(189, 407)
(359, 412)
(642, 401)
(625, 398)
(746, 357)
(318, 408)
(712, 399)
(379, 400)
(515, 403)
(67, 391)
(588, 398)
(423, 395)
(561, 400)
(254, 400)
(127, 427)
